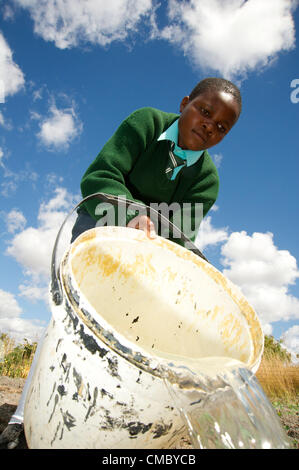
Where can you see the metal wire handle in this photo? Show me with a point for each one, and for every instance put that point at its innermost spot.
(56, 290)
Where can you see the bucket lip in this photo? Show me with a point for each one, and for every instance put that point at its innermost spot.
(117, 342)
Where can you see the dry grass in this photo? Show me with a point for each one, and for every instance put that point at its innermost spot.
(17, 358)
(7, 344)
(279, 379)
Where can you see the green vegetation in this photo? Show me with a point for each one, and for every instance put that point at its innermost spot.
(279, 378)
(277, 375)
(273, 347)
(17, 359)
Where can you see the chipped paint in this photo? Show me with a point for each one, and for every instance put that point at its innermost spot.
(138, 265)
(54, 407)
(137, 427)
(161, 429)
(93, 405)
(68, 420)
(113, 367)
(106, 389)
(61, 390)
(78, 382)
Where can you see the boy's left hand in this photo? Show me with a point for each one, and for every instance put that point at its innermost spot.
(143, 222)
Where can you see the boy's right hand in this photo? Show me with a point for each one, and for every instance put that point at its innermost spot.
(143, 222)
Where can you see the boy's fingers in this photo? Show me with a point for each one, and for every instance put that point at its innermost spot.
(145, 224)
(151, 229)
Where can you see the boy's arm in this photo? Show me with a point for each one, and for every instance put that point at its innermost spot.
(108, 171)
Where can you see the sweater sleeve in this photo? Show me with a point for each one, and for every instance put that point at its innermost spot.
(108, 171)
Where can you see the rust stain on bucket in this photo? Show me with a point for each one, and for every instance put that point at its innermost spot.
(245, 308)
(132, 307)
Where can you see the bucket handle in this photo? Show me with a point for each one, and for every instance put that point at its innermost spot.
(56, 290)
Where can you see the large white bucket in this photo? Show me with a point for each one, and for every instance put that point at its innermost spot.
(132, 309)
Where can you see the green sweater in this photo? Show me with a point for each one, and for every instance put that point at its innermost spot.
(132, 163)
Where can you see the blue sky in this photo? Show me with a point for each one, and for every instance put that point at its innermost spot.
(69, 75)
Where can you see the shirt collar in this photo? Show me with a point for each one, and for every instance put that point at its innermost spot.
(172, 133)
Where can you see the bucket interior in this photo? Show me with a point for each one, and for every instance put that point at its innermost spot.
(162, 298)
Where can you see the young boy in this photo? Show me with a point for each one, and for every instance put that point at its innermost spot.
(156, 157)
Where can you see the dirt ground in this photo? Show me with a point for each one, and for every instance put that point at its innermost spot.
(11, 389)
(10, 392)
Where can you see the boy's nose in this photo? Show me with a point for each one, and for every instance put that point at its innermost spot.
(208, 127)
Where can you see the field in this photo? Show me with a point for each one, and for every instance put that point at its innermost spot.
(277, 375)
(280, 382)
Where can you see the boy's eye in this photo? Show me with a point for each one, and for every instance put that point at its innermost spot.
(204, 111)
(221, 129)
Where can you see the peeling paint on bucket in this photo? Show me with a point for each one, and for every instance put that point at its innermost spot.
(132, 309)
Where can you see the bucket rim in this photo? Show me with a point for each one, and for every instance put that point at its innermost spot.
(155, 364)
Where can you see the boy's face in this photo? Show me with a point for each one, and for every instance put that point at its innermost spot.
(206, 119)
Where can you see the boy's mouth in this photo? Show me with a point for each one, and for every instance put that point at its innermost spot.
(200, 135)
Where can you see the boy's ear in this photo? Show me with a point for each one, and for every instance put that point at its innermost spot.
(184, 103)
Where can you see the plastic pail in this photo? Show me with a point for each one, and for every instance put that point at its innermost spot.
(132, 307)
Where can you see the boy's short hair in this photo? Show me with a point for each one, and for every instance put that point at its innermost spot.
(218, 84)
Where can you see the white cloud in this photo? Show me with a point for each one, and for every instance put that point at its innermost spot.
(15, 221)
(267, 328)
(5, 123)
(11, 321)
(9, 307)
(11, 76)
(37, 94)
(209, 235)
(35, 116)
(8, 188)
(32, 247)
(290, 339)
(8, 12)
(231, 37)
(34, 292)
(1, 157)
(59, 129)
(12, 179)
(264, 274)
(52, 180)
(69, 22)
(217, 159)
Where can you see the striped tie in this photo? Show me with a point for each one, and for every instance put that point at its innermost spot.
(175, 164)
